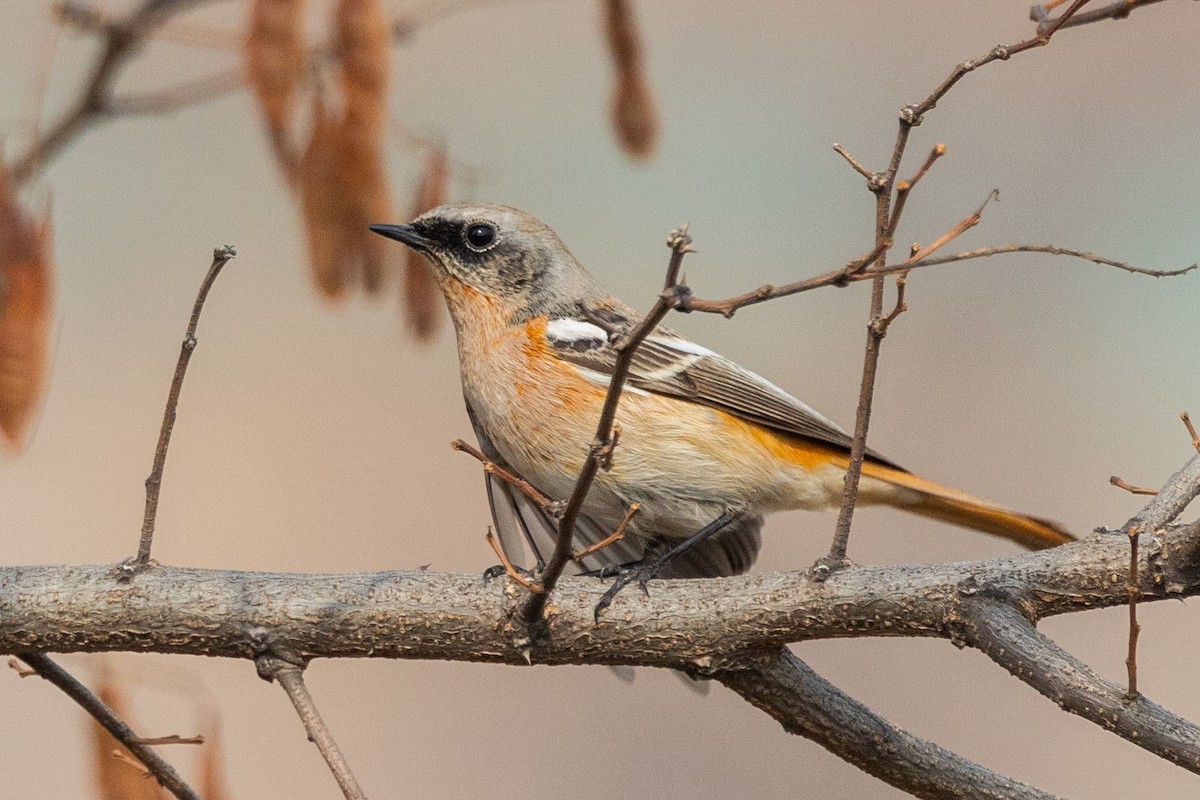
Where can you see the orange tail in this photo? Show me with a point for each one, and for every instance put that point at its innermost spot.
(950, 505)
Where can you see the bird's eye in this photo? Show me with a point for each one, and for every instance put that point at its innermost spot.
(480, 236)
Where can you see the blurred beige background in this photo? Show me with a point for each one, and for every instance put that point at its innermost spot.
(313, 438)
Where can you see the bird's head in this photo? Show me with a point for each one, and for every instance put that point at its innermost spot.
(503, 255)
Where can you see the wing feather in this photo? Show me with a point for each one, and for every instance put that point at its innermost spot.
(668, 364)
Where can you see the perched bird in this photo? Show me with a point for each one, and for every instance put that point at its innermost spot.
(705, 444)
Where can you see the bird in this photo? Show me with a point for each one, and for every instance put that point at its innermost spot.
(707, 448)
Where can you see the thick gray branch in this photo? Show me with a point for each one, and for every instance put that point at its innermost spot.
(1171, 500)
(808, 705)
(697, 624)
(1011, 641)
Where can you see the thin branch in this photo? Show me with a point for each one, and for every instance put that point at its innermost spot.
(1129, 487)
(964, 225)
(611, 539)
(122, 39)
(1054, 250)
(855, 165)
(904, 188)
(807, 705)
(221, 257)
(603, 442)
(887, 219)
(856, 271)
(176, 98)
(913, 115)
(520, 484)
(170, 739)
(1118, 10)
(291, 678)
(1191, 429)
(1131, 692)
(883, 323)
(509, 569)
(1004, 635)
(163, 772)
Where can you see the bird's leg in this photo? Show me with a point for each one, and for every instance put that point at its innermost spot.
(646, 569)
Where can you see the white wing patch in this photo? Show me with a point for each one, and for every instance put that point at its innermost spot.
(602, 380)
(566, 330)
(684, 346)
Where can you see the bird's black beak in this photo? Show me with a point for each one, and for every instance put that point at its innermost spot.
(404, 233)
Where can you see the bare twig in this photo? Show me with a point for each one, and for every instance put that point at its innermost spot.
(121, 40)
(509, 569)
(1118, 10)
(858, 270)
(170, 739)
(964, 225)
(1191, 429)
(1129, 487)
(492, 468)
(1131, 692)
(904, 188)
(886, 221)
(612, 538)
(859, 168)
(1054, 250)
(221, 257)
(291, 678)
(163, 772)
(602, 443)
(883, 323)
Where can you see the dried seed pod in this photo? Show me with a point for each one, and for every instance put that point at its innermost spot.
(634, 115)
(115, 776)
(422, 299)
(365, 60)
(364, 64)
(26, 280)
(366, 199)
(276, 58)
(322, 203)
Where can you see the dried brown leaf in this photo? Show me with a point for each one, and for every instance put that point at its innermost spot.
(422, 299)
(116, 777)
(634, 113)
(365, 60)
(26, 282)
(276, 59)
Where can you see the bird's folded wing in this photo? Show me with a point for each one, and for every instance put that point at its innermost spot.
(668, 364)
